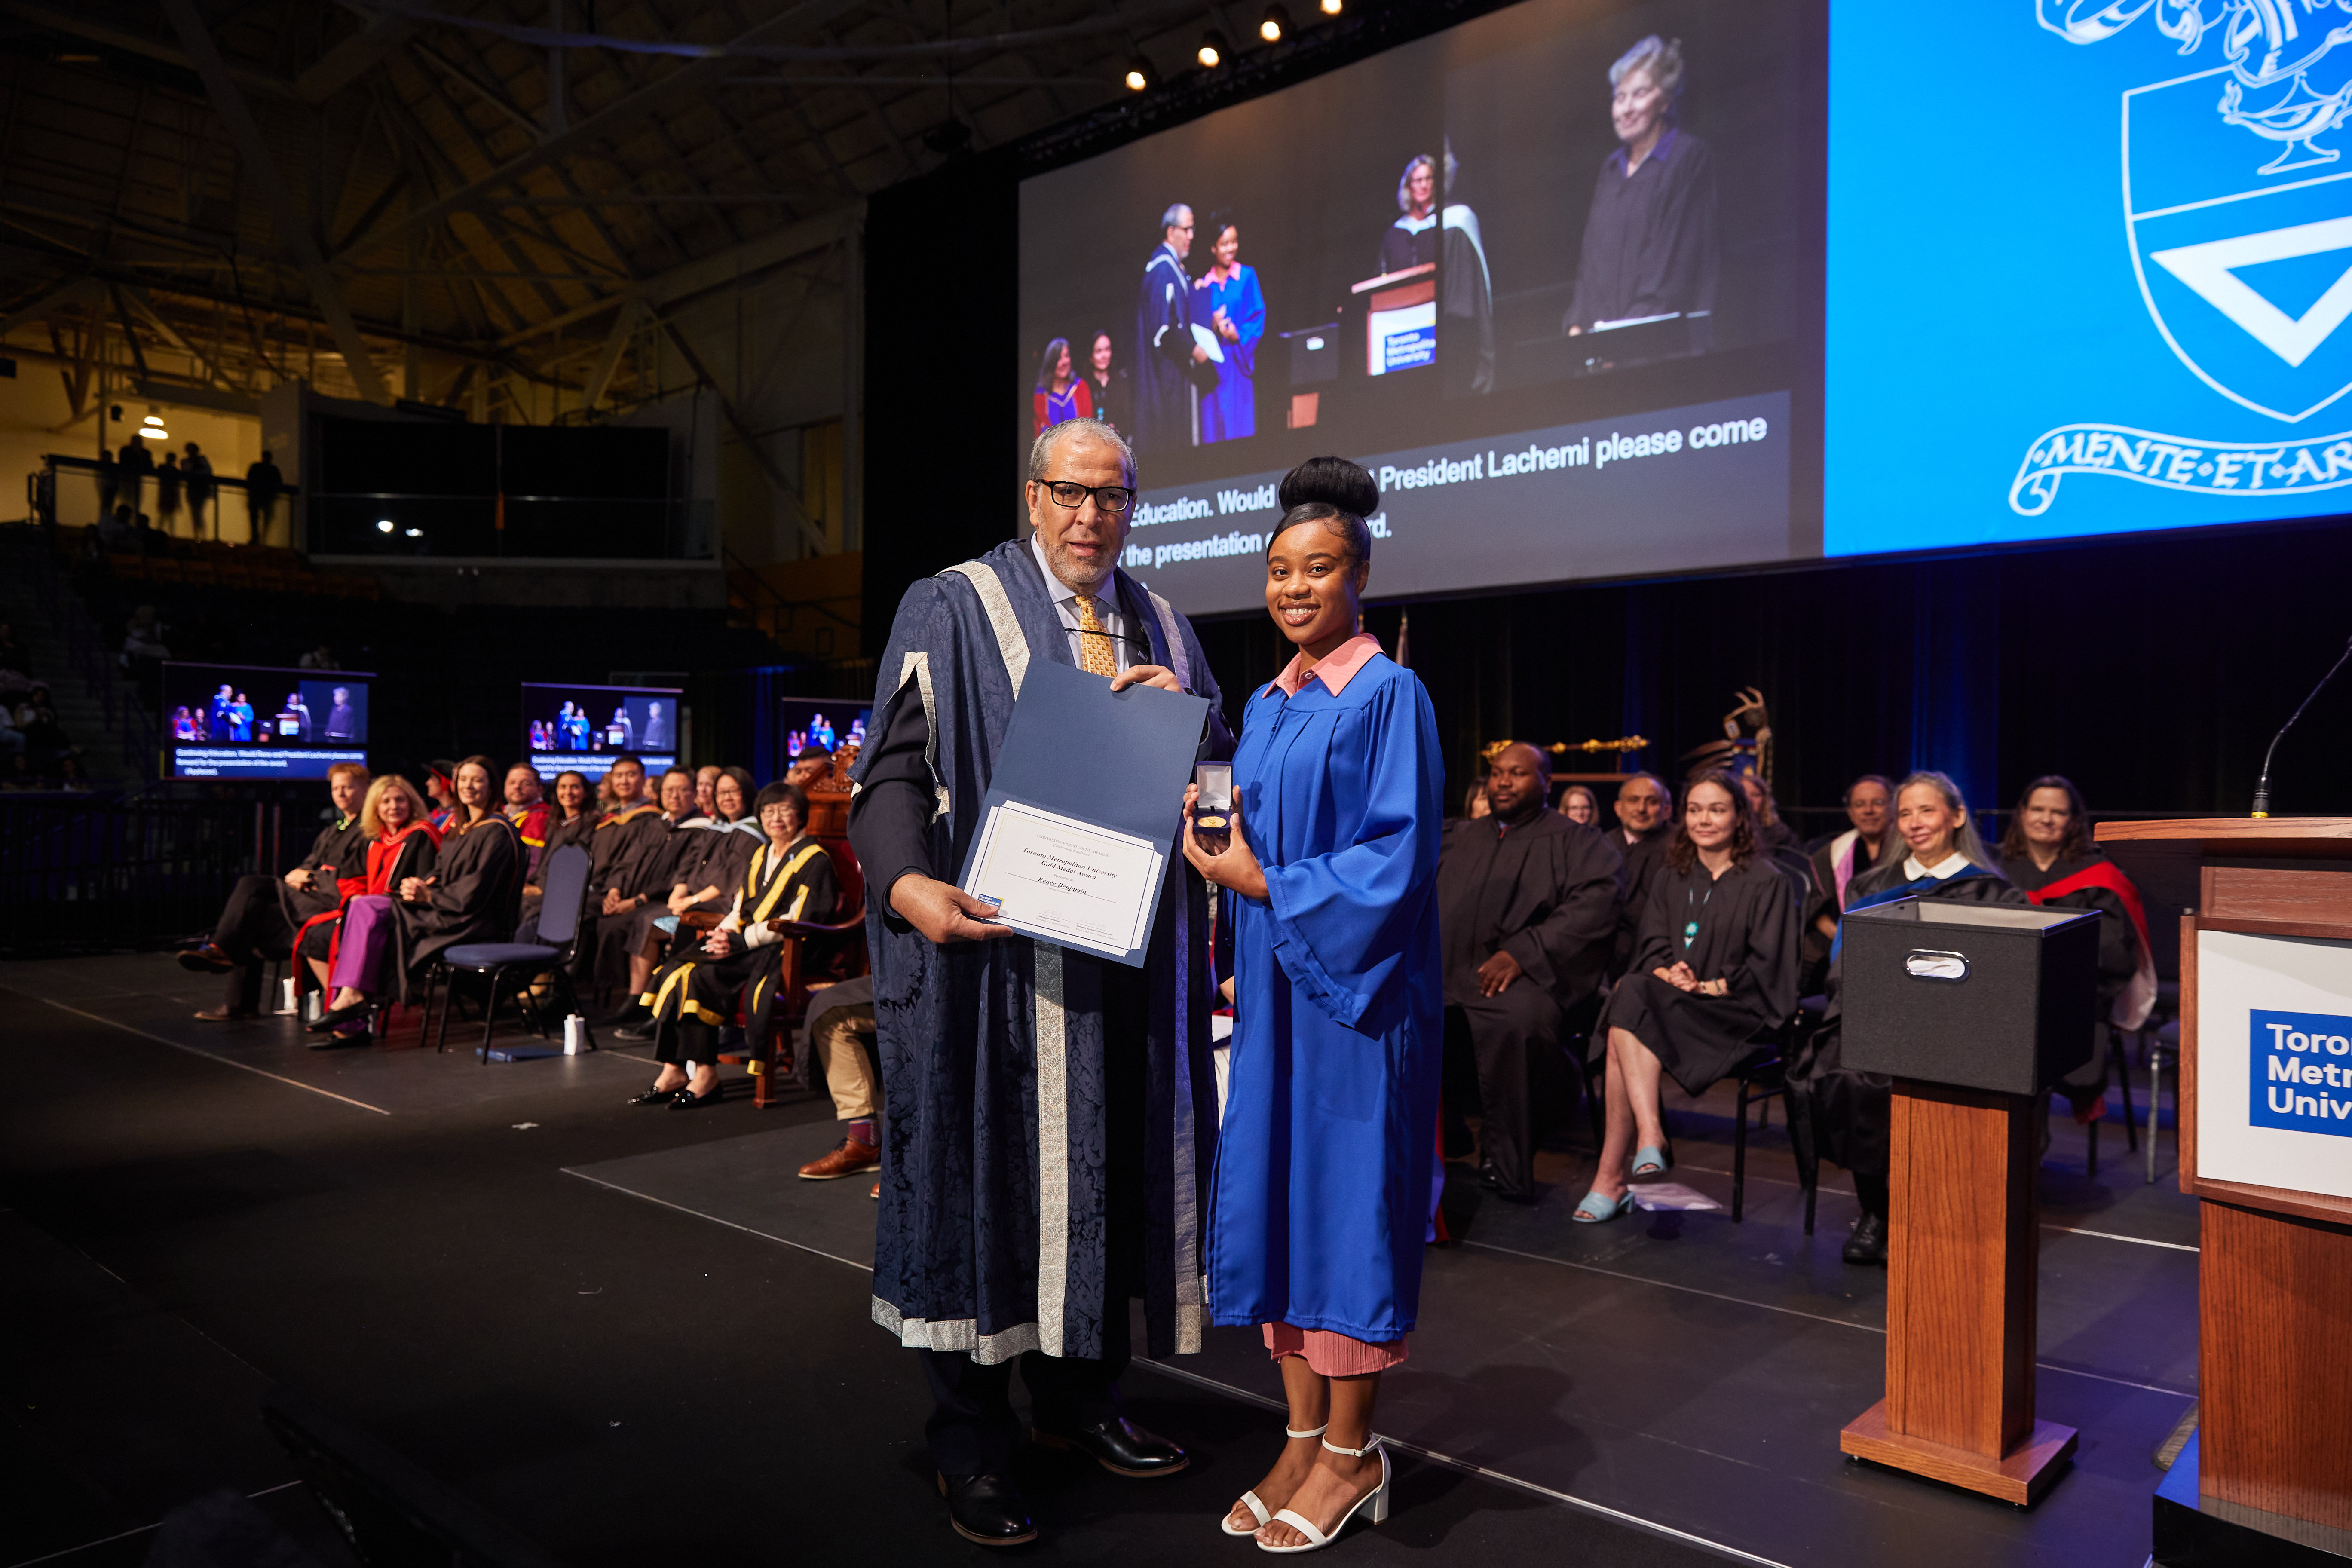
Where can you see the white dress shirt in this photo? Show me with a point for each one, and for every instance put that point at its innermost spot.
(1107, 611)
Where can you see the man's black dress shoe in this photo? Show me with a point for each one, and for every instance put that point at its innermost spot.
(987, 1509)
(1118, 1446)
(1868, 1241)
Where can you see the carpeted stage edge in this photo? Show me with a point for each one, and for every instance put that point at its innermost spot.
(632, 1334)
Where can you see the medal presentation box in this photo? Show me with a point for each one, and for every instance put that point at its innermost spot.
(2266, 1147)
(1974, 1010)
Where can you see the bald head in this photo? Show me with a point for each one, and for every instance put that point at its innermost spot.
(1518, 780)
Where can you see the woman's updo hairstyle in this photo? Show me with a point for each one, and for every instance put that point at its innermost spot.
(1332, 491)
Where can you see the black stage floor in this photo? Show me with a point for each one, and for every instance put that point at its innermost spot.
(632, 1334)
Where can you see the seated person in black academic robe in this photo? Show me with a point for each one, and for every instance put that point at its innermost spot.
(628, 832)
(256, 926)
(636, 892)
(1644, 809)
(1870, 807)
(1777, 842)
(2048, 846)
(790, 879)
(1773, 835)
(1715, 965)
(1526, 901)
(1850, 1113)
(571, 818)
(705, 868)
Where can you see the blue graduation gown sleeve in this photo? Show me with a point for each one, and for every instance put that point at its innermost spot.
(1342, 917)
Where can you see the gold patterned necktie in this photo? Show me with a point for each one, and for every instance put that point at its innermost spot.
(1093, 643)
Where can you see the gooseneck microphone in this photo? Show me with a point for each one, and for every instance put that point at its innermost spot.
(2262, 785)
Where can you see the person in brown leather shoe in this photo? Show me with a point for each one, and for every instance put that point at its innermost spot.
(842, 1022)
(853, 1156)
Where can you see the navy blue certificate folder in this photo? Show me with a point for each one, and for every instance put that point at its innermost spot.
(1112, 760)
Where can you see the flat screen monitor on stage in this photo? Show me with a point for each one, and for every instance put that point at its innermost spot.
(832, 722)
(2117, 301)
(582, 728)
(1433, 261)
(243, 721)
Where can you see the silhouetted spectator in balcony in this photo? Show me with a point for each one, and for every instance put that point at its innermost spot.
(167, 490)
(12, 652)
(115, 531)
(12, 746)
(199, 471)
(110, 480)
(134, 463)
(263, 485)
(142, 634)
(320, 657)
(45, 742)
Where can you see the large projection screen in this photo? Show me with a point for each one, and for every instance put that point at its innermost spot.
(2089, 272)
(1561, 362)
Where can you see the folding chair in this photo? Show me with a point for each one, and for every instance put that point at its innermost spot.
(565, 878)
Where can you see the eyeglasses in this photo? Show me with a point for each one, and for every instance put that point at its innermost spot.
(1108, 497)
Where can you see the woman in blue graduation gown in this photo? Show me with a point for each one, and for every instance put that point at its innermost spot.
(1320, 1201)
(1235, 307)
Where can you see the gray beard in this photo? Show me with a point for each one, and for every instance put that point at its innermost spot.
(1069, 577)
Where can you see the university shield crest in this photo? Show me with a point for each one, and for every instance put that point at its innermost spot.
(2240, 227)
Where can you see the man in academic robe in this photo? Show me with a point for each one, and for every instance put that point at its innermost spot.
(1644, 809)
(1051, 1114)
(1165, 348)
(630, 831)
(1527, 902)
(1870, 807)
(526, 808)
(256, 926)
(638, 893)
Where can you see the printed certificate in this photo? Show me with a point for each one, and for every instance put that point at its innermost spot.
(1063, 880)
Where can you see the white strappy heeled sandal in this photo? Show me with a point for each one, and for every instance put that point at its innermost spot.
(1378, 1497)
(1250, 1499)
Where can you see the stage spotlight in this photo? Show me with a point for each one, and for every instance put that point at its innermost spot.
(1276, 24)
(1212, 53)
(384, 525)
(1331, 7)
(1139, 74)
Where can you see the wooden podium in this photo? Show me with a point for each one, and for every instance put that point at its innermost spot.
(1974, 1010)
(2268, 1476)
